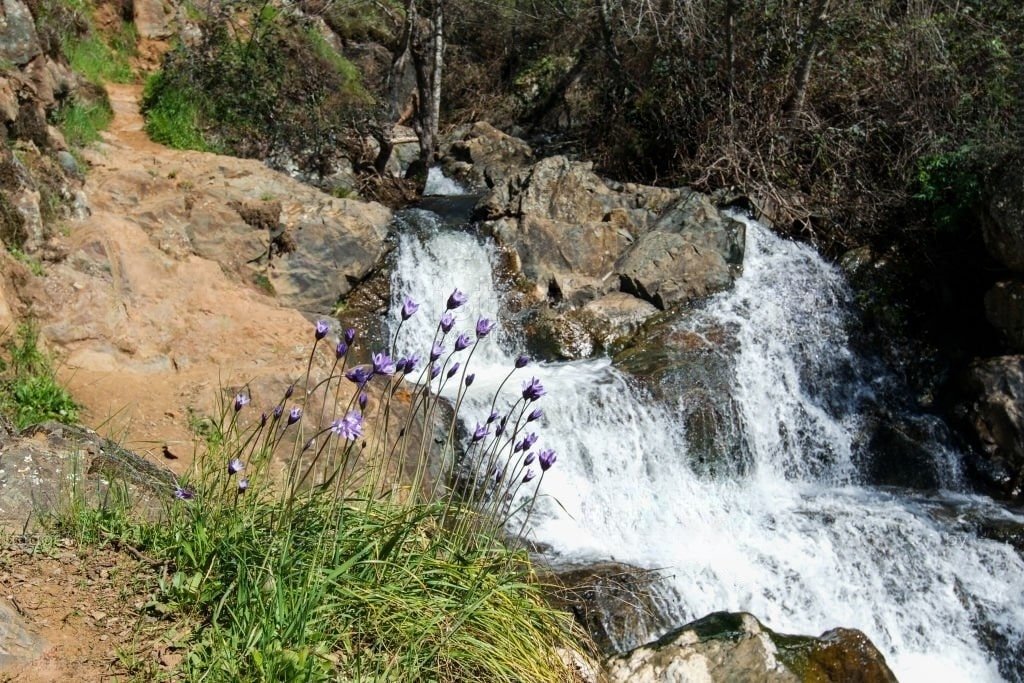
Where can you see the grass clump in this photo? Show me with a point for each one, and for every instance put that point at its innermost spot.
(173, 113)
(347, 561)
(30, 391)
(81, 122)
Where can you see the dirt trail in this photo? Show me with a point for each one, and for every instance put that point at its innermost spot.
(146, 330)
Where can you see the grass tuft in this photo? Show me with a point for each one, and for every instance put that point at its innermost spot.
(30, 391)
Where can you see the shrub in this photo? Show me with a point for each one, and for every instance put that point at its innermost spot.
(172, 113)
(351, 564)
(81, 122)
(31, 393)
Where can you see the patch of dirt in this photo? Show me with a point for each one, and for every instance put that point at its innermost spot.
(89, 607)
(148, 334)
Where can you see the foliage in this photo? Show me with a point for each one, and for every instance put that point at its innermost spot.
(30, 391)
(950, 185)
(260, 83)
(81, 122)
(172, 113)
(67, 27)
(351, 565)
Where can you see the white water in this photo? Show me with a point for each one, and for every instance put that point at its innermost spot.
(799, 541)
(439, 184)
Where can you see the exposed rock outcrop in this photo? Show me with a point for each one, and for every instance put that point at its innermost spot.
(728, 647)
(482, 157)
(1004, 308)
(1003, 218)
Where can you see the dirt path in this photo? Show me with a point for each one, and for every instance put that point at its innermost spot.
(146, 330)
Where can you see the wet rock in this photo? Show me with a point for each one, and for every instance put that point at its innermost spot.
(19, 42)
(726, 647)
(1004, 308)
(994, 390)
(619, 605)
(44, 466)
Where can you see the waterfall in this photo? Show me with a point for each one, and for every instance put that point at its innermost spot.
(439, 184)
(800, 537)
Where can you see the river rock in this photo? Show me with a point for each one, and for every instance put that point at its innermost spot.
(692, 251)
(1003, 217)
(994, 389)
(729, 647)
(482, 157)
(1004, 308)
(619, 605)
(574, 239)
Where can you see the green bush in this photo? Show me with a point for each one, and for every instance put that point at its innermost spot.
(172, 113)
(31, 393)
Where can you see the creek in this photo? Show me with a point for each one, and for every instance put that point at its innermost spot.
(791, 521)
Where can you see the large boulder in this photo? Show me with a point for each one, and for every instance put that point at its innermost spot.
(691, 252)
(730, 647)
(19, 42)
(483, 157)
(574, 239)
(994, 411)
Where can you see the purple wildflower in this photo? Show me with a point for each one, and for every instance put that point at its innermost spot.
(322, 328)
(530, 457)
(241, 400)
(462, 342)
(435, 370)
(341, 349)
(501, 426)
(493, 416)
(546, 458)
(447, 322)
(263, 419)
(530, 474)
(456, 299)
(363, 399)
(522, 361)
(436, 351)
(235, 466)
(469, 379)
(483, 327)
(294, 415)
(349, 427)
(278, 411)
(182, 493)
(350, 336)
(410, 363)
(243, 485)
(409, 308)
(359, 375)
(289, 391)
(535, 414)
(480, 432)
(453, 369)
(382, 364)
(499, 475)
(533, 389)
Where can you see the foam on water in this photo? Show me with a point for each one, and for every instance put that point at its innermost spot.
(800, 540)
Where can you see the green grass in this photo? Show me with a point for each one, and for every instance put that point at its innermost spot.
(172, 114)
(30, 391)
(329, 571)
(81, 122)
(99, 62)
(35, 266)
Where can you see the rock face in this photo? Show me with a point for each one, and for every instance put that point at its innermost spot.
(995, 414)
(729, 647)
(576, 242)
(18, 645)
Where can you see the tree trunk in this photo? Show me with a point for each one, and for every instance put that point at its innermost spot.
(730, 60)
(794, 104)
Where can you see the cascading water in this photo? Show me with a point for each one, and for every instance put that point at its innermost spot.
(799, 537)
